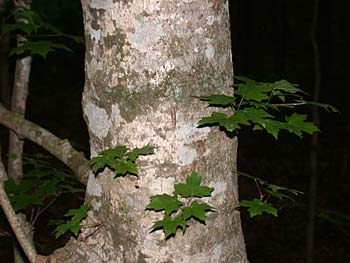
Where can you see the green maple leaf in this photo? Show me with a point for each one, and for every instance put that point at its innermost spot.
(192, 187)
(215, 118)
(218, 99)
(122, 167)
(119, 159)
(164, 202)
(253, 90)
(258, 207)
(220, 119)
(196, 210)
(296, 124)
(325, 106)
(273, 127)
(22, 201)
(117, 152)
(286, 86)
(270, 126)
(245, 79)
(41, 48)
(26, 28)
(170, 225)
(249, 115)
(100, 162)
(74, 224)
(24, 194)
(48, 187)
(140, 151)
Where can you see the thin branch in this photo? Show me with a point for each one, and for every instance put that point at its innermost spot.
(41, 210)
(25, 242)
(310, 235)
(19, 100)
(61, 149)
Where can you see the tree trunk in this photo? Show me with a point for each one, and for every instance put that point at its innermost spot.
(144, 62)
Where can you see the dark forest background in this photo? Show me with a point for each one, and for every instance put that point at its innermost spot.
(271, 41)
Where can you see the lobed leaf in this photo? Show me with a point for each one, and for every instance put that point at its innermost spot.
(134, 154)
(192, 187)
(285, 86)
(117, 152)
(218, 99)
(72, 225)
(196, 210)
(41, 48)
(170, 225)
(253, 90)
(258, 207)
(164, 202)
(325, 106)
(296, 124)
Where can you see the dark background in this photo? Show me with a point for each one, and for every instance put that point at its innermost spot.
(271, 40)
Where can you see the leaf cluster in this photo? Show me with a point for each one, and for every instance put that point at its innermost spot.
(177, 211)
(41, 182)
(74, 224)
(259, 105)
(342, 221)
(267, 191)
(37, 32)
(120, 160)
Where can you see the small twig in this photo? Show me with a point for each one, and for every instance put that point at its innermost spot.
(98, 227)
(289, 104)
(32, 215)
(259, 189)
(271, 95)
(239, 104)
(41, 210)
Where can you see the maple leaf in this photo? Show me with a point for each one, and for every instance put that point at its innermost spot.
(296, 124)
(164, 202)
(258, 207)
(74, 224)
(140, 151)
(170, 225)
(218, 99)
(192, 187)
(197, 211)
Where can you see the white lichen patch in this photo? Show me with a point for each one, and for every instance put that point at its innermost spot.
(95, 35)
(98, 120)
(93, 187)
(186, 154)
(219, 193)
(187, 135)
(210, 50)
(216, 254)
(146, 35)
(96, 204)
(116, 117)
(210, 20)
(102, 4)
(190, 133)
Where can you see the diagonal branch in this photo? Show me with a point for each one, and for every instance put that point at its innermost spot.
(26, 243)
(61, 149)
